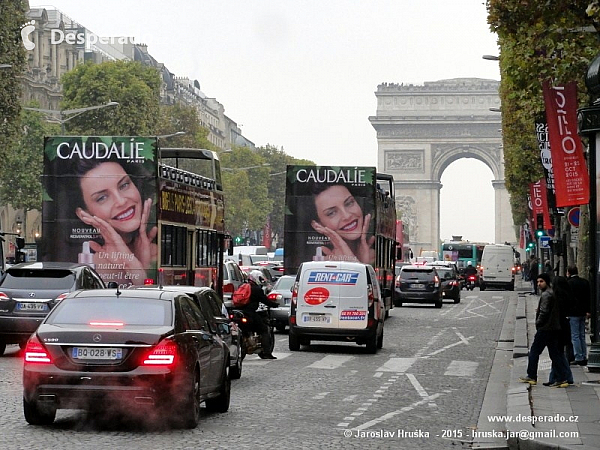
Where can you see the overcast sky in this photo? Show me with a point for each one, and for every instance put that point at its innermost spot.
(301, 74)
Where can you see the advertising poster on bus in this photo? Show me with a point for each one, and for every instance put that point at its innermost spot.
(330, 215)
(99, 205)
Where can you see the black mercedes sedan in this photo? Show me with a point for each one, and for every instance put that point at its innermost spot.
(145, 353)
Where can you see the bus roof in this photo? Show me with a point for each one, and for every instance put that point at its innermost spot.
(188, 153)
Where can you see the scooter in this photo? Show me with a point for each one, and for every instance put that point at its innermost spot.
(251, 340)
(472, 282)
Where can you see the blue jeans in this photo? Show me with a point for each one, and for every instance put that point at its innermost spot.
(550, 339)
(578, 337)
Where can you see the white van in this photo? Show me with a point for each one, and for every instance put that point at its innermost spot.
(497, 267)
(336, 301)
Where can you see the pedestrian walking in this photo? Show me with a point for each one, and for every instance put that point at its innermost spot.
(578, 310)
(525, 270)
(562, 294)
(547, 324)
(533, 273)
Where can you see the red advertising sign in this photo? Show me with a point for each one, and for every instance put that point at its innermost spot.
(539, 203)
(571, 180)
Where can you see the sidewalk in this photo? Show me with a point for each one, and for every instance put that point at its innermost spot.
(569, 418)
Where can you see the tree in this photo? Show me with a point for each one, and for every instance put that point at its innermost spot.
(537, 43)
(178, 117)
(23, 166)
(12, 54)
(278, 161)
(135, 87)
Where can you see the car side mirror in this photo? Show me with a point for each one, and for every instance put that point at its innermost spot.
(112, 285)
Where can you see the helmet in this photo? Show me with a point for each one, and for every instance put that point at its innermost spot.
(470, 264)
(256, 277)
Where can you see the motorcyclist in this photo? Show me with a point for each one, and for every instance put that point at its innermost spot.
(470, 270)
(258, 324)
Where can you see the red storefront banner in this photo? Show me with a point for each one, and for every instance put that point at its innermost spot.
(539, 203)
(571, 179)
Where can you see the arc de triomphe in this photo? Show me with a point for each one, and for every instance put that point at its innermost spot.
(421, 130)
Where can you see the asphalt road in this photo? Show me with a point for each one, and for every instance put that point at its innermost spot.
(424, 389)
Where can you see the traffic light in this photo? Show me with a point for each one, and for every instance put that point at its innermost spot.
(531, 245)
(539, 233)
(238, 240)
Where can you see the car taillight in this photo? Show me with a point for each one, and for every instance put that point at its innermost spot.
(35, 352)
(164, 354)
(4, 297)
(274, 296)
(295, 294)
(436, 280)
(370, 295)
(228, 288)
(148, 281)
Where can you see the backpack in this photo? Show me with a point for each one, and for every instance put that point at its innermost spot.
(241, 296)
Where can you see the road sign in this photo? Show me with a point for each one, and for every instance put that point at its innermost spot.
(573, 216)
(545, 242)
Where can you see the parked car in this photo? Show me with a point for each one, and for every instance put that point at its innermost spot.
(214, 310)
(232, 278)
(419, 284)
(28, 291)
(142, 352)
(282, 294)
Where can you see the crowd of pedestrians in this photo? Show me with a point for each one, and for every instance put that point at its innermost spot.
(563, 307)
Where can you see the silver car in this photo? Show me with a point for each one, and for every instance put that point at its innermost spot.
(282, 294)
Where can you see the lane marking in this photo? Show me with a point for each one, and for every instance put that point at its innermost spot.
(400, 365)
(461, 368)
(420, 390)
(450, 346)
(331, 362)
(320, 396)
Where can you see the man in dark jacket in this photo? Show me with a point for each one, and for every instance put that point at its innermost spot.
(547, 324)
(578, 309)
(257, 297)
(533, 273)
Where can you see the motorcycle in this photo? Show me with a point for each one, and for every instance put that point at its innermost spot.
(472, 282)
(251, 340)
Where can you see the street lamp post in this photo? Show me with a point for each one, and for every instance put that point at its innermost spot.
(62, 116)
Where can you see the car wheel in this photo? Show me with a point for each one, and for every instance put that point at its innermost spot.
(439, 303)
(235, 372)
(482, 287)
(190, 410)
(38, 416)
(380, 340)
(22, 345)
(2, 348)
(293, 342)
(281, 328)
(220, 403)
(372, 344)
(457, 299)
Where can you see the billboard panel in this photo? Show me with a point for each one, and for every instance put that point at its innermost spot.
(330, 215)
(99, 205)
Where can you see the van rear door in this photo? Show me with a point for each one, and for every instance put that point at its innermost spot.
(331, 296)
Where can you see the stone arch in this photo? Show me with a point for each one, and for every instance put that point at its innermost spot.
(421, 130)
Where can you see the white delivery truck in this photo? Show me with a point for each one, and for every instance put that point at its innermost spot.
(497, 267)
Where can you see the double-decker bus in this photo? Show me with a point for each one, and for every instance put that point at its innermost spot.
(338, 213)
(463, 252)
(137, 213)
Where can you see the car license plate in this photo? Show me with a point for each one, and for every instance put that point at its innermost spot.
(417, 286)
(95, 353)
(317, 319)
(28, 306)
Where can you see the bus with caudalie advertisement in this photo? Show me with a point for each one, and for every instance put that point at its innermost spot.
(341, 214)
(136, 213)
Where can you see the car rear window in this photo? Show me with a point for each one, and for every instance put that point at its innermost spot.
(38, 279)
(129, 311)
(417, 273)
(284, 283)
(445, 273)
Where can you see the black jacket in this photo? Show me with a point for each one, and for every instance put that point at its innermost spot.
(548, 315)
(581, 296)
(258, 296)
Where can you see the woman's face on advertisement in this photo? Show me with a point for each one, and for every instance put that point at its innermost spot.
(109, 194)
(338, 210)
